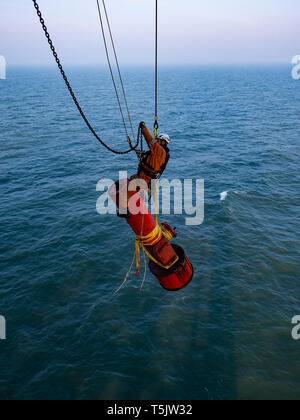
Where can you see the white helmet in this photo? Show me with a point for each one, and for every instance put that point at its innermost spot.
(164, 137)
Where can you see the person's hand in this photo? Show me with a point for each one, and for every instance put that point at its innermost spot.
(142, 124)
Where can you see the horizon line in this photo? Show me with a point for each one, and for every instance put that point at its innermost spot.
(50, 65)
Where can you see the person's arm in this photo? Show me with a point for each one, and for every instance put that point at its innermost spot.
(147, 135)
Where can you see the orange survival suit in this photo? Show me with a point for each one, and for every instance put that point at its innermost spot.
(154, 162)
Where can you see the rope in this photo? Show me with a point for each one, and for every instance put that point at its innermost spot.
(127, 275)
(143, 242)
(145, 262)
(156, 59)
(110, 68)
(150, 240)
(145, 272)
(132, 148)
(156, 126)
(167, 234)
(118, 67)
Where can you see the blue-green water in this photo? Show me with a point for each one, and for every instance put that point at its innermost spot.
(228, 334)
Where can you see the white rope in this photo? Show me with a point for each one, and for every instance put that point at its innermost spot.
(127, 275)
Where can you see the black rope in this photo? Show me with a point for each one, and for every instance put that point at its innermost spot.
(156, 59)
(132, 148)
(140, 141)
(156, 68)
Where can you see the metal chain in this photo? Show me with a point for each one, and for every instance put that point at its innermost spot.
(132, 148)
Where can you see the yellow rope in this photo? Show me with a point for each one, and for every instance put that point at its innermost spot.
(158, 263)
(143, 241)
(165, 232)
(152, 239)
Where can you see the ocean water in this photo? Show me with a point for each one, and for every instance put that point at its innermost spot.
(228, 334)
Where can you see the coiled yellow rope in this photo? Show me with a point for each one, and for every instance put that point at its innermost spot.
(151, 240)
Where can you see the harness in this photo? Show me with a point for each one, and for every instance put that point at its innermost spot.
(148, 170)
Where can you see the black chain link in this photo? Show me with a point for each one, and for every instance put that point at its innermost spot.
(132, 148)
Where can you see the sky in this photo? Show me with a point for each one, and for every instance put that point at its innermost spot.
(190, 31)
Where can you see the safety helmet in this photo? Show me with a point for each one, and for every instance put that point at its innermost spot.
(164, 137)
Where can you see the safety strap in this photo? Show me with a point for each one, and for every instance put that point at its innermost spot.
(149, 170)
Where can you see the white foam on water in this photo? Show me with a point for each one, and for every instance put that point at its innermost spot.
(240, 192)
(224, 195)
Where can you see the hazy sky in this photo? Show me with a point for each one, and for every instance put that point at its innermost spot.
(191, 31)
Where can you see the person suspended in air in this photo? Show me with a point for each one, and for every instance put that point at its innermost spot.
(154, 162)
(152, 165)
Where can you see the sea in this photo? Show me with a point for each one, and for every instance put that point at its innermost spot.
(229, 334)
